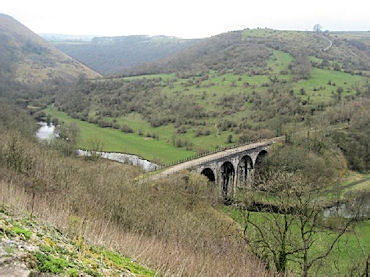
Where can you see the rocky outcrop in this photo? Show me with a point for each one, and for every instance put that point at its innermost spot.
(30, 248)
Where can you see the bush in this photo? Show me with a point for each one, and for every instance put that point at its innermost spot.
(126, 129)
(202, 132)
(14, 153)
(181, 130)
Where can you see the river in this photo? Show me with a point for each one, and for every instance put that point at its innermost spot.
(47, 132)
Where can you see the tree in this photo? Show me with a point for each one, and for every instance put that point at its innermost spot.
(68, 132)
(67, 138)
(288, 229)
(301, 67)
(354, 141)
(317, 28)
(229, 138)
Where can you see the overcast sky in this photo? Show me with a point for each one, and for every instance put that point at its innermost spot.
(187, 19)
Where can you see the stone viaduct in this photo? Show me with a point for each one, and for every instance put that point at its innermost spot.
(229, 169)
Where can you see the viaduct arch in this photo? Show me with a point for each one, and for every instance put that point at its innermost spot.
(228, 170)
(235, 172)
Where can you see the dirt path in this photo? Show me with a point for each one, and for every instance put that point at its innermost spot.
(211, 157)
(330, 44)
(348, 185)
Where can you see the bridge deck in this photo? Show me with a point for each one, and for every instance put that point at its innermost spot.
(211, 157)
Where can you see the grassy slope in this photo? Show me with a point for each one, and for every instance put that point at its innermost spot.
(319, 80)
(208, 95)
(50, 252)
(354, 181)
(33, 59)
(116, 141)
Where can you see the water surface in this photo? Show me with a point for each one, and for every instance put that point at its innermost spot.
(48, 132)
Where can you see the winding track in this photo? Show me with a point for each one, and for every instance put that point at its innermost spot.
(330, 44)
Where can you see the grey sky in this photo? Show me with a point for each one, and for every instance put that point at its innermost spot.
(187, 19)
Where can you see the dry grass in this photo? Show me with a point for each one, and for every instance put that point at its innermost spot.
(170, 226)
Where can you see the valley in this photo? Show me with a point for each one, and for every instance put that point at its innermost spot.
(225, 106)
(261, 138)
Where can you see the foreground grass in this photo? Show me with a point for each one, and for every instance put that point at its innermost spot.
(117, 141)
(170, 225)
(54, 253)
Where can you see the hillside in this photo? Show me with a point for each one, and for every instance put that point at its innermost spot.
(62, 37)
(113, 54)
(30, 247)
(28, 59)
(247, 51)
(173, 225)
(234, 88)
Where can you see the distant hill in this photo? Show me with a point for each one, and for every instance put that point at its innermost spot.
(247, 51)
(113, 54)
(29, 60)
(63, 37)
(219, 53)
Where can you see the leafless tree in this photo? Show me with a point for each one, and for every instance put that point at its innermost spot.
(289, 227)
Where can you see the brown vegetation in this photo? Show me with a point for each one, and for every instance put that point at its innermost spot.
(171, 226)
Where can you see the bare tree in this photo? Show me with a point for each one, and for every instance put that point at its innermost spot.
(288, 228)
(317, 28)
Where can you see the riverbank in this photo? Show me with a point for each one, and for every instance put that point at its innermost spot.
(47, 132)
(156, 150)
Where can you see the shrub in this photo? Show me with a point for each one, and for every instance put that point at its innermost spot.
(126, 129)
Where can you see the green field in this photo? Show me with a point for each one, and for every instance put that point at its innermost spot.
(117, 141)
(353, 182)
(352, 248)
(318, 89)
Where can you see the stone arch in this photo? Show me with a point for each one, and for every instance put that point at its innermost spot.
(260, 157)
(209, 174)
(257, 165)
(245, 168)
(227, 179)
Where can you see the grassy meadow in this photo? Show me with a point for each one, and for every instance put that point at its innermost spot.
(117, 141)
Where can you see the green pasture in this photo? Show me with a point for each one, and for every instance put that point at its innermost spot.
(279, 61)
(353, 182)
(117, 141)
(166, 133)
(324, 92)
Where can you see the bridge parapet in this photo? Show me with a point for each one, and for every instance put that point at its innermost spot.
(228, 169)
